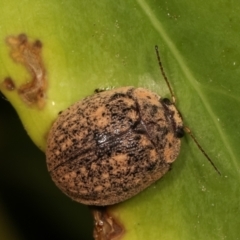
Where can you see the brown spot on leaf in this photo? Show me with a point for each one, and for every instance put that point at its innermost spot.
(29, 54)
(106, 227)
(8, 84)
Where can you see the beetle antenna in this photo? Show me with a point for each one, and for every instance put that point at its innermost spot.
(186, 129)
(164, 75)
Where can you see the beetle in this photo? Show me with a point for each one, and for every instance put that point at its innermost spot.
(110, 146)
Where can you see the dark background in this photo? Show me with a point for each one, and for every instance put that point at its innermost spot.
(33, 205)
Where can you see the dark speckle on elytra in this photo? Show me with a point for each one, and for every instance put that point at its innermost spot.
(116, 96)
(154, 110)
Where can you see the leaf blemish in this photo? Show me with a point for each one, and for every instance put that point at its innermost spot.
(29, 54)
(9, 84)
(106, 227)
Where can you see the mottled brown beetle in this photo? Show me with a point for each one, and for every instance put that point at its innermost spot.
(110, 146)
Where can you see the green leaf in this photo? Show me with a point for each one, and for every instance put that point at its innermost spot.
(111, 43)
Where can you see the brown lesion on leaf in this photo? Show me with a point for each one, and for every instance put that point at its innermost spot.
(9, 84)
(29, 54)
(106, 227)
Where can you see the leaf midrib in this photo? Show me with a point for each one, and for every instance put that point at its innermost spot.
(188, 75)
